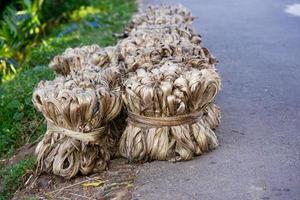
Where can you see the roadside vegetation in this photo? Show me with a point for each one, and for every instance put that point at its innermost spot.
(31, 33)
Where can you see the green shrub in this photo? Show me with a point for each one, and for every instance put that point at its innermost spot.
(23, 24)
(58, 10)
(19, 29)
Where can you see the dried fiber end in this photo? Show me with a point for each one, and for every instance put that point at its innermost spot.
(212, 116)
(77, 58)
(166, 106)
(78, 109)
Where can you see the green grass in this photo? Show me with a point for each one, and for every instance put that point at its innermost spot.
(20, 122)
(12, 177)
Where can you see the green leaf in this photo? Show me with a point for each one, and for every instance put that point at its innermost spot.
(14, 104)
(18, 116)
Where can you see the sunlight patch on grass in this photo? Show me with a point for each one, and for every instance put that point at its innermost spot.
(84, 12)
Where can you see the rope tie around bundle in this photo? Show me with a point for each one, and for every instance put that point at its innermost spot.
(156, 122)
(92, 136)
(165, 113)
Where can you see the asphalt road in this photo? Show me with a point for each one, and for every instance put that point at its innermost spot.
(258, 46)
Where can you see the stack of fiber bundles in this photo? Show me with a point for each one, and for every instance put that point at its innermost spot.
(171, 84)
(79, 109)
(166, 80)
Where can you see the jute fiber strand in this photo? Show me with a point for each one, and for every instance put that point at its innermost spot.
(160, 15)
(165, 107)
(147, 48)
(78, 109)
(80, 57)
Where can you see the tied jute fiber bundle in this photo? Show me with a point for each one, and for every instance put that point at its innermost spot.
(77, 58)
(173, 31)
(78, 109)
(146, 48)
(160, 15)
(165, 107)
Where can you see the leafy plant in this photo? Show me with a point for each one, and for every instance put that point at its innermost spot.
(19, 28)
(58, 10)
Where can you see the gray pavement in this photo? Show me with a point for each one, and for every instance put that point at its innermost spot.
(258, 46)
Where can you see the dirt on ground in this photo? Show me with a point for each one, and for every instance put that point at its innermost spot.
(115, 183)
(21, 153)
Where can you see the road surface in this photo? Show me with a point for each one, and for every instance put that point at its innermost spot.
(257, 44)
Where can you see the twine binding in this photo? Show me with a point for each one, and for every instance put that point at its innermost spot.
(156, 122)
(92, 136)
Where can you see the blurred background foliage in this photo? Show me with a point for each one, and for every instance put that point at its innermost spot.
(20, 26)
(24, 24)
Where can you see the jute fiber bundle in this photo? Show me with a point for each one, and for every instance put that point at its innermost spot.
(173, 31)
(78, 109)
(150, 47)
(80, 57)
(165, 107)
(160, 15)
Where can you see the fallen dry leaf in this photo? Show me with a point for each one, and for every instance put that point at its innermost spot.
(93, 184)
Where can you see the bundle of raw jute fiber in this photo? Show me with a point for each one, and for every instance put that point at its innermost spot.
(151, 48)
(78, 109)
(165, 105)
(80, 57)
(173, 31)
(160, 15)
